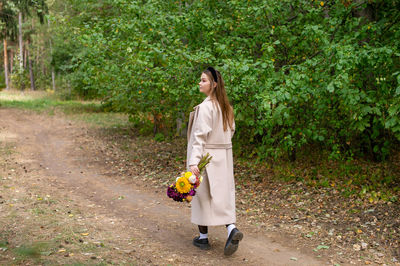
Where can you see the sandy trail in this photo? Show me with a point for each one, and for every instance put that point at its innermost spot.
(49, 146)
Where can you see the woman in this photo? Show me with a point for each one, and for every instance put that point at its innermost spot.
(210, 129)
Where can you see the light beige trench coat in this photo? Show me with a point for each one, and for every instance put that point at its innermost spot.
(214, 202)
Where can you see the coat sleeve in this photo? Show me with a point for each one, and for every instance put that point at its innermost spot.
(202, 126)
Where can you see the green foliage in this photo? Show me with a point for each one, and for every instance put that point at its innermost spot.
(298, 73)
(2, 80)
(20, 79)
(159, 137)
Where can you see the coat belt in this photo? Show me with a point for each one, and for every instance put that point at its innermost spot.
(218, 146)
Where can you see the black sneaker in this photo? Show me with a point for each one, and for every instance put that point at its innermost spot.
(201, 243)
(232, 243)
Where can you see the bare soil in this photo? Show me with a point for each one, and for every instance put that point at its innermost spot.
(64, 194)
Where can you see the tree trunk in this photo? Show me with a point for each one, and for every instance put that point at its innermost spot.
(21, 45)
(69, 88)
(6, 63)
(30, 68)
(53, 78)
(53, 75)
(292, 154)
(21, 51)
(180, 126)
(25, 56)
(11, 61)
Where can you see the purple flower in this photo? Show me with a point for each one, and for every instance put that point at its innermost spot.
(192, 192)
(172, 193)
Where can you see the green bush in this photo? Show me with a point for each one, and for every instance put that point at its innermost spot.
(298, 73)
(20, 79)
(159, 137)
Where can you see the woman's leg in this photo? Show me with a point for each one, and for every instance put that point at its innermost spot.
(230, 227)
(203, 231)
(202, 240)
(234, 236)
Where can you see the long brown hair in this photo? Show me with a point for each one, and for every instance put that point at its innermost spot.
(219, 94)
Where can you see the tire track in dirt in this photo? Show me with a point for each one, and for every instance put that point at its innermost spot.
(164, 223)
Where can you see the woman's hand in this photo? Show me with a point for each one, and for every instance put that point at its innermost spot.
(195, 170)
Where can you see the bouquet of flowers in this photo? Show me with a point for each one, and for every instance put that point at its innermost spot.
(186, 184)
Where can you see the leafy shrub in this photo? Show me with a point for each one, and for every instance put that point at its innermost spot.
(159, 137)
(298, 73)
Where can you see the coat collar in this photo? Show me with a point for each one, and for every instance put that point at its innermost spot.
(208, 98)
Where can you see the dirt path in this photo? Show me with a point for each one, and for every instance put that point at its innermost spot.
(49, 151)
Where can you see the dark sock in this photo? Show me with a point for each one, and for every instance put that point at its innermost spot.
(203, 229)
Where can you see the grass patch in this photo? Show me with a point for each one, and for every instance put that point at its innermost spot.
(91, 112)
(6, 148)
(41, 104)
(106, 120)
(4, 245)
(33, 250)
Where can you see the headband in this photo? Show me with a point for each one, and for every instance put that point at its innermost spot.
(213, 72)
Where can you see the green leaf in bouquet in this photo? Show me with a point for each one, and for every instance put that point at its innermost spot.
(204, 161)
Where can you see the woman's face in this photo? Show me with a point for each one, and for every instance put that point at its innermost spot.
(205, 84)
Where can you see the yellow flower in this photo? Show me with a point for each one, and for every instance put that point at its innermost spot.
(183, 185)
(321, 3)
(188, 174)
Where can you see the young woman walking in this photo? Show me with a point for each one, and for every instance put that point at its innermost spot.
(210, 129)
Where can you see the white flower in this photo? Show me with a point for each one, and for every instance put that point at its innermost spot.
(192, 179)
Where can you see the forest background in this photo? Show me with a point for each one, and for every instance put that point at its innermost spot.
(311, 82)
